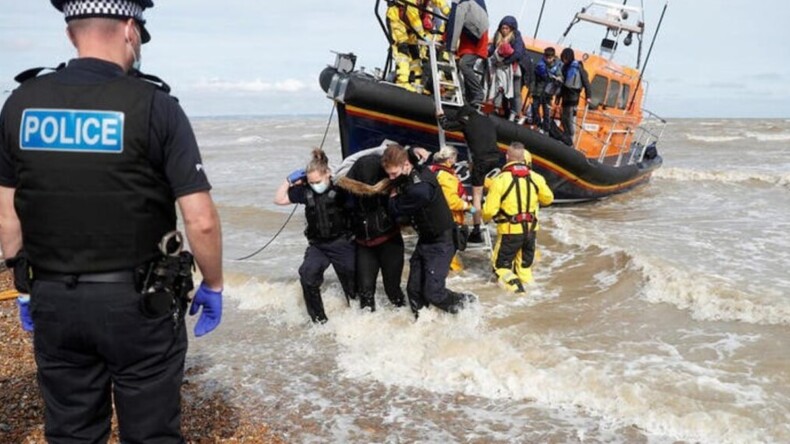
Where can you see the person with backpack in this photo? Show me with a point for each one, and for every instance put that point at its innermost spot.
(545, 85)
(574, 80)
(512, 203)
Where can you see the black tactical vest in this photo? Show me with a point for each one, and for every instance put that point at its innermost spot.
(87, 196)
(326, 217)
(435, 218)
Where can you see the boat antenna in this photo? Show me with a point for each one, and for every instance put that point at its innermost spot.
(540, 17)
(326, 131)
(647, 58)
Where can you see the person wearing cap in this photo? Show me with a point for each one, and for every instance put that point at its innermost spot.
(93, 159)
(512, 203)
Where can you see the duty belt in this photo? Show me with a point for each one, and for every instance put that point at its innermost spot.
(110, 277)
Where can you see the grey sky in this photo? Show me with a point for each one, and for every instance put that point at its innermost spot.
(713, 58)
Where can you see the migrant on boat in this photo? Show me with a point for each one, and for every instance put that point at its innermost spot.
(614, 147)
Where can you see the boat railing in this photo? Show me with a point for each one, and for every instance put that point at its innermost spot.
(649, 132)
(606, 142)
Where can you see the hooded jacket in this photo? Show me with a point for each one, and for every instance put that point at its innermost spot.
(519, 50)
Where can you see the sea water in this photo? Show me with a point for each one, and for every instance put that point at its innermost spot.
(657, 316)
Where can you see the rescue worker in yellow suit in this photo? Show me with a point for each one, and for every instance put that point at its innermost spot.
(407, 25)
(512, 202)
(453, 190)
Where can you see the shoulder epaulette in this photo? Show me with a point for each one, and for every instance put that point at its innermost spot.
(159, 83)
(34, 72)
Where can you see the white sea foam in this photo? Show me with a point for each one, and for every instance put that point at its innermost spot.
(769, 137)
(729, 176)
(250, 140)
(712, 139)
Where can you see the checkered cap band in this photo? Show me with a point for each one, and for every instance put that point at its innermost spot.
(103, 8)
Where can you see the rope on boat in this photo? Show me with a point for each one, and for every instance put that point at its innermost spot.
(326, 131)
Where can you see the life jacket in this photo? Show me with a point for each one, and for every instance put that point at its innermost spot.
(88, 197)
(519, 171)
(435, 218)
(435, 168)
(326, 216)
(573, 77)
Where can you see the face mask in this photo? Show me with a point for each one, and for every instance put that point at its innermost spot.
(319, 187)
(137, 55)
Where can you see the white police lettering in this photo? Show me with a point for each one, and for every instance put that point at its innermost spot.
(72, 130)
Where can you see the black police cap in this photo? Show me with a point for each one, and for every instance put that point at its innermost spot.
(121, 9)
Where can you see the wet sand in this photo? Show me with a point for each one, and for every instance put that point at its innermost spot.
(207, 416)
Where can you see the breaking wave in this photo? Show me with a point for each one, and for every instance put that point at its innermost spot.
(712, 139)
(732, 176)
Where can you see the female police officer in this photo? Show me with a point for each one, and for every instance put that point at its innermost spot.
(328, 232)
(93, 158)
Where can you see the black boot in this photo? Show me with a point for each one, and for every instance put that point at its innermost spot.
(475, 237)
(314, 304)
(367, 299)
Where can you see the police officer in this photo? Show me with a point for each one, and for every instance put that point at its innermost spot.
(328, 232)
(512, 202)
(418, 196)
(481, 139)
(93, 158)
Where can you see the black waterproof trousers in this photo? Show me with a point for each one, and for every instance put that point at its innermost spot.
(429, 267)
(387, 257)
(93, 346)
(317, 258)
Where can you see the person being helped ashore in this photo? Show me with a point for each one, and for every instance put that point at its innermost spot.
(455, 195)
(512, 203)
(328, 230)
(544, 86)
(94, 158)
(481, 140)
(417, 195)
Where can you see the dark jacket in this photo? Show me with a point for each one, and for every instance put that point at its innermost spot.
(570, 96)
(519, 50)
(479, 130)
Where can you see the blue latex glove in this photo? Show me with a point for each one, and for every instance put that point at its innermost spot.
(472, 210)
(23, 301)
(296, 176)
(211, 301)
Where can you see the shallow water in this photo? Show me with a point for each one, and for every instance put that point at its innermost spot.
(660, 315)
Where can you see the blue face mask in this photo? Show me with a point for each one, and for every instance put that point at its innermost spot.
(137, 55)
(319, 187)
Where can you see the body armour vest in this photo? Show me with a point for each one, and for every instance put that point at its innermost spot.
(435, 218)
(88, 198)
(326, 217)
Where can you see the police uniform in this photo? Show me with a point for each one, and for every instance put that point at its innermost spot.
(512, 202)
(378, 237)
(330, 244)
(481, 139)
(97, 158)
(420, 199)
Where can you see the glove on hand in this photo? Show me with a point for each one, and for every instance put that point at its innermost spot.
(23, 301)
(472, 209)
(211, 301)
(296, 176)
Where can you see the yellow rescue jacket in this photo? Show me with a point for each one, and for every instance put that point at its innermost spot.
(502, 201)
(453, 191)
(405, 23)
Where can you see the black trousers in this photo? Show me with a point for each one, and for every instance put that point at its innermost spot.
(93, 346)
(387, 257)
(317, 258)
(429, 267)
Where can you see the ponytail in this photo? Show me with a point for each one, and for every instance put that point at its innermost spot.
(318, 162)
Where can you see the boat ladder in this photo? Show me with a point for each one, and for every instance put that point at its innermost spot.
(446, 83)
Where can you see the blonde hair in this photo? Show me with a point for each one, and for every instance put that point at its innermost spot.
(394, 155)
(446, 153)
(319, 162)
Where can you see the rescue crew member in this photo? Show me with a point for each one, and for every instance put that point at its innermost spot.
(378, 235)
(512, 202)
(417, 195)
(405, 23)
(454, 193)
(93, 158)
(466, 36)
(574, 80)
(328, 230)
(481, 139)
